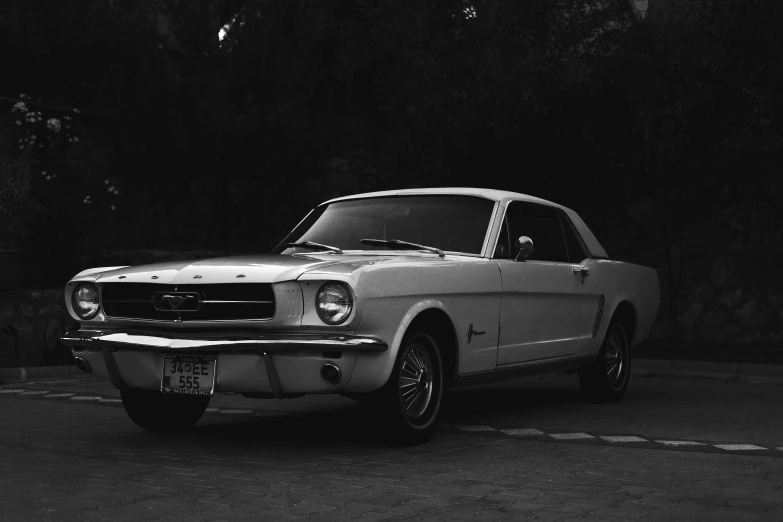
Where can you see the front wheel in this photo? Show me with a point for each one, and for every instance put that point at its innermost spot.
(413, 396)
(606, 379)
(163, 412)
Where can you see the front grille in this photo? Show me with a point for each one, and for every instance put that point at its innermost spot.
(221, 301)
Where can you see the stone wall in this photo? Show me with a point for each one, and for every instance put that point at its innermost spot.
(31, 324)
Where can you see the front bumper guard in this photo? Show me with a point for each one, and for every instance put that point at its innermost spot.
(265, 345)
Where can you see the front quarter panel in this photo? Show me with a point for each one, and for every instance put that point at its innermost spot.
(91, 274)
(467, 290)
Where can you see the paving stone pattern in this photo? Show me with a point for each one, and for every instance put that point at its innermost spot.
(67, 459)
(528, 433)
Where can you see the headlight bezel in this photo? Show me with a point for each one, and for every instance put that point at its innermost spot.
(346, 292)
(77, 309)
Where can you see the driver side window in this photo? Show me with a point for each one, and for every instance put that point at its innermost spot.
(542, 225)
(502, 250)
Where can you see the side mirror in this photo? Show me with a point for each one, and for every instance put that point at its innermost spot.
(525, 246)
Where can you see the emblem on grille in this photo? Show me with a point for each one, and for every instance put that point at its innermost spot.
(176, 301)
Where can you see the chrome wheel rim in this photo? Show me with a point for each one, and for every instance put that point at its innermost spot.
(616, 358)
(416, 381)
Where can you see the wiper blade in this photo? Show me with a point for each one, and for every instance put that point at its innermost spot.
(398, 242)
(315, 246)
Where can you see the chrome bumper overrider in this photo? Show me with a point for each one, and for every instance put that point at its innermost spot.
(263, 346)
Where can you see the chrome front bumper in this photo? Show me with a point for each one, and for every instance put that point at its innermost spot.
(278, 364)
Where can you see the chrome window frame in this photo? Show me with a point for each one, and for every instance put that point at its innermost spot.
(499, 222)
(488, 235)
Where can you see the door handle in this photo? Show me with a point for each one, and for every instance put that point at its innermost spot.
(584, 271)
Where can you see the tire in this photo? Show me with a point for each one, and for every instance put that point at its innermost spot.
(412, 399)
(163, 412)
(606, 379)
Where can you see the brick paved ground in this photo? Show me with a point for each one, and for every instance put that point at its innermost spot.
(312, 459)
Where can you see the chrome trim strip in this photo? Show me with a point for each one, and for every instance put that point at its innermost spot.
(194, 323)
(248, 344)
(393, 194)
(399, 252)
(215, 301)
(490, 234)
(599, 315)
(236, 302)
(297, 226)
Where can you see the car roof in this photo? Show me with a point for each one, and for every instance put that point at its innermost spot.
(503, 196)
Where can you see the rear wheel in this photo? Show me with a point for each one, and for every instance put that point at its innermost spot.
(163, 412)
(413, 397)
(606, 379)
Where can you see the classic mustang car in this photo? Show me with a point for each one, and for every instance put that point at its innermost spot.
(389, 298)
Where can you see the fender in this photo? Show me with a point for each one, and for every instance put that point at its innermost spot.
(640, 328)
(408, 318)
(96, 272)
(375, 371)
(609, 310)
(645, 316)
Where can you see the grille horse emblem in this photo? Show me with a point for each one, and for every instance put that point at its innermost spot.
(175, 301)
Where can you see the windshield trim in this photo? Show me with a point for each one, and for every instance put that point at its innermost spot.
(484, 247)
(392, 252)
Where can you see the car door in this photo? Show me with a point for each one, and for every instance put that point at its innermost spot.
(541, 300)
(592, 299)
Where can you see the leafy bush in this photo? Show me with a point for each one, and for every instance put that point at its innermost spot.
(237, 107)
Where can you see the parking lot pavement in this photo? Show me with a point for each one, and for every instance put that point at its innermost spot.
(654, 408)
(315, 459)
(670, 409)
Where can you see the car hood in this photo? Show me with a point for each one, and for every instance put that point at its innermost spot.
(250, 269)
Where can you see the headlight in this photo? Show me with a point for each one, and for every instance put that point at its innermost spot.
(85, 301)
(334, 303)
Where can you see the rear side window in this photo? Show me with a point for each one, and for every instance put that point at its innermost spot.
(542, 225)
(576, 254)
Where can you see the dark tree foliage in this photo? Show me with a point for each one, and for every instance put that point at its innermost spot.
(225, 142)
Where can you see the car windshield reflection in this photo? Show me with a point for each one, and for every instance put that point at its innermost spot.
(449, 223)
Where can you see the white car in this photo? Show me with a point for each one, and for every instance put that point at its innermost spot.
(389, 298)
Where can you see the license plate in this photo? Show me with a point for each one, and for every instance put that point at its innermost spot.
(188, 375)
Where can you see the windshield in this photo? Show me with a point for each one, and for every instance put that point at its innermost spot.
(451, 223)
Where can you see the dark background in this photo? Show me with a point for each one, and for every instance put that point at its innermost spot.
(663, 131)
